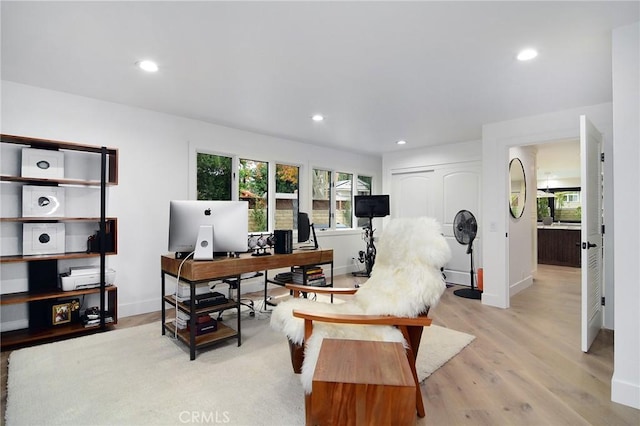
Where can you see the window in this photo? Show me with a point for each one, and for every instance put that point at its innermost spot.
(567, 206)
(227, 177)
(571, 197)
(325, 208)
(363, 187)
(344, 199)
(321, 198)
(564, 207)
(253, 187)
(214, 177)
(287, 196)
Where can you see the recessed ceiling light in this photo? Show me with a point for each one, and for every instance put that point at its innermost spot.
(317, 117)
(401, 142)
(147, 65)
(527, 54)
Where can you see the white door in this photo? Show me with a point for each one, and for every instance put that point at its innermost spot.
(440, 191)
(413, 194)
(591, 240)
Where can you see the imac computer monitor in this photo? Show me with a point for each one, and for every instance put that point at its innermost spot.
(207, 227)
(304, 231)
(371, 205)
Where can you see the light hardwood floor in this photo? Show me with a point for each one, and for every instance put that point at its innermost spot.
(524, 368)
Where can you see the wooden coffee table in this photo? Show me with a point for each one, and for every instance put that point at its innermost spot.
(359, 382)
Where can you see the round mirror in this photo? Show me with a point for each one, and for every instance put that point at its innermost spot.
(517, 188)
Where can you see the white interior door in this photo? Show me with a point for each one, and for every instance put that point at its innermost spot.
(412, 194)
(591, 240)
(440, 191)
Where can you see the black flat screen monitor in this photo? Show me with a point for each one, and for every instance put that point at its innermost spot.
(305, 228)
(371, 205)
(227, 219)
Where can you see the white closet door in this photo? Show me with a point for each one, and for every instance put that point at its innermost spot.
(412, 194)
(461, 191)
(440, 192)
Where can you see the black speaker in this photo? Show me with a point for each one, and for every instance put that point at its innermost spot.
(283, 241)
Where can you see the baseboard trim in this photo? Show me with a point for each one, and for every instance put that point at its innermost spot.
(520, 285)
(625, 393)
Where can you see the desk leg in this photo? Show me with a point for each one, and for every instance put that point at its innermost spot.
(331, 280)
(266, 283)
(238, 307)
(266, 293)
(164, 311)
(192, 322)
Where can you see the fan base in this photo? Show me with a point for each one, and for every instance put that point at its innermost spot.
(468, 293)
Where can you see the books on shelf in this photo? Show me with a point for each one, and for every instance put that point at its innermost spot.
(311, 275)
(284, 277)
(205, 323)
(206, 327)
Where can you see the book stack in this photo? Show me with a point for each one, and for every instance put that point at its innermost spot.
(182, 319)
(204, 323)
(284, 277)
(314, 274)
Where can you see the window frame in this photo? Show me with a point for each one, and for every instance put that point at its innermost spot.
(355, 175)
(305, 185)
(552, 205)
(300, 168)
(193, 171)
(268, 205)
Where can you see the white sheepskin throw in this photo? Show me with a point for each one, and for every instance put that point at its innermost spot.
(405, 281)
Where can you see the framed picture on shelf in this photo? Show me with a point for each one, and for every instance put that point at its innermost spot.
(61, 313)
(43, 238)
(42, 163)
(42, 201)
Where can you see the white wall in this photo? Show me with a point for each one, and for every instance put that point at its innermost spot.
(625, 385)
(521, 239)
(153, 169)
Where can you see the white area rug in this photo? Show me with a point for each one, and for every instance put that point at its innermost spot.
(136, 376)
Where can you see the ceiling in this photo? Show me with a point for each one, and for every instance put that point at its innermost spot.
(427, 72)
(558, 163)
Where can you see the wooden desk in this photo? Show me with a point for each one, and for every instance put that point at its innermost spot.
(359, 382)
(194, 272)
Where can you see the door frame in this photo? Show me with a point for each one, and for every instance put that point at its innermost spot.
(497, 139)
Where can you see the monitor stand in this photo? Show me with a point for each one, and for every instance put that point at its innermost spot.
(315, 241)
(204, 243)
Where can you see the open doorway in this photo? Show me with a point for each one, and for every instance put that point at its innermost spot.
(571, 230)
(558, 203)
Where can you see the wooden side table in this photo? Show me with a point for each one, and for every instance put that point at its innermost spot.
(359, 382)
